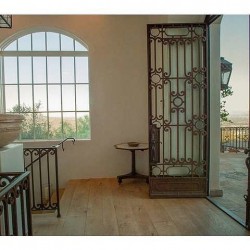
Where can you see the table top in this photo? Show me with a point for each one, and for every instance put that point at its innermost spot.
(125, 146)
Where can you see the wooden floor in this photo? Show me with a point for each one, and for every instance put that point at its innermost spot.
(102, 207)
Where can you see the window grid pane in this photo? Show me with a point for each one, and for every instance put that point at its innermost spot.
(53, 42)
(25, 70)
(51, 91)
(10, 70)
(39, 70)
(67, 43)
(38, 41)
(11, 100)
(24, 43)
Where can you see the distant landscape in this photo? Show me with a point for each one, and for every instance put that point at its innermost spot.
(238, 119)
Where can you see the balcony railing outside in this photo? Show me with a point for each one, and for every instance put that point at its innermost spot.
(234, 138)
(15, 213)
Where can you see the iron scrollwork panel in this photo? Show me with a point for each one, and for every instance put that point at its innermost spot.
(178, 100)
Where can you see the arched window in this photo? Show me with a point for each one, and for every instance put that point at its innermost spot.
(45, 76)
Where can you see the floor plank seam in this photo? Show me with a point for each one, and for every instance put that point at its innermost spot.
(101, 207)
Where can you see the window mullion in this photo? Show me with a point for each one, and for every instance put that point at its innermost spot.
(33, 99)
(76, 125)
(2, 87)
(62, 127)
(18, 84)
(47, 88)
(33, 94)
(47, 97)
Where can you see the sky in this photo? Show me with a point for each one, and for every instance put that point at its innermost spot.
(235, 49)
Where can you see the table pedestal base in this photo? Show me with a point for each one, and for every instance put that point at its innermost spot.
(131, 175)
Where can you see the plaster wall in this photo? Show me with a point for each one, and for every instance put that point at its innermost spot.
(118, 91)
(214, 109)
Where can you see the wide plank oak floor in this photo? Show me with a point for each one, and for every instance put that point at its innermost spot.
(102, 207)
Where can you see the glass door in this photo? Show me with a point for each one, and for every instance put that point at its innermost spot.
(247, 150)
(234, 116)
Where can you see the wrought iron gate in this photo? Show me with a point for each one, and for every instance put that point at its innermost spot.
(178, 111)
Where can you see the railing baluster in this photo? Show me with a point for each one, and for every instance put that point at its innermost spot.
(32, 182)
(239, 137)
(28, 207)
(6, 218)
(14, 218)
(22, 210)
(40, 179)
(57, 184)
(236, 131)
(49, 184)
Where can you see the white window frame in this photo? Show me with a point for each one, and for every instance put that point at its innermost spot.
(46, 54)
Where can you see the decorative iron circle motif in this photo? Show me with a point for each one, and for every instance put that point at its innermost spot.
(178, 101)
(156, 171)
(199, 171)
(155, 78)
(198, 77)
(199, 125)
(155, 32)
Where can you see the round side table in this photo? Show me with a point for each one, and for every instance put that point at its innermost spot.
(132, 174)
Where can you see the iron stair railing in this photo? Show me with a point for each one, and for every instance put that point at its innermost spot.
(42, 162)
(15, 212)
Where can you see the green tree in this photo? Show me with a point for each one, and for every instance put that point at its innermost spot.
(83, 130)
(224, 114)
(34, 124)
(65, 130)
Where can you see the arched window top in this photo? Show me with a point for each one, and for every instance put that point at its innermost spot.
(45, 76)
(45, 41)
